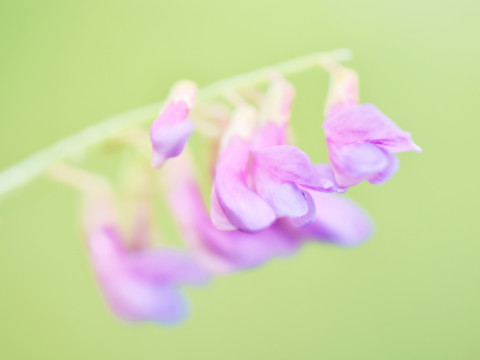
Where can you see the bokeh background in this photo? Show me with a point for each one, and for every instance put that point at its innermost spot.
(411, 292)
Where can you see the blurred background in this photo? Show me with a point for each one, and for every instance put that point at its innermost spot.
(411, 292)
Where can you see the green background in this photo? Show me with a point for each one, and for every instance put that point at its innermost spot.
(411, 292)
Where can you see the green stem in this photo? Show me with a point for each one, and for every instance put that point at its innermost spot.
(37, 163)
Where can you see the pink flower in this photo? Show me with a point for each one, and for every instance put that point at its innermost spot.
(226, 251)
(361, 142)
(259, 179)
(361, 139)
(338, 220)
(141, 284)
(171, 130)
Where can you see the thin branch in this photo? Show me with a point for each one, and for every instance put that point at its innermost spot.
(37, 163)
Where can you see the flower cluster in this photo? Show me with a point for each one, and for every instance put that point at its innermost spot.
(267, 196)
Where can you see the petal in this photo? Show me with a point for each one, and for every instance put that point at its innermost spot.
(106, 246)
(339, 220)
(382, 176)
(135, 300)
(244, 208)
(166, 267)
(354, 163)
(285, 198)
(238, 250)
(221, 251)
(217, 215)
(327, 180)
(309, 217)
(365, 123)
(289, 163)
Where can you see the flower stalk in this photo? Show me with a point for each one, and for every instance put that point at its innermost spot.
(35, 165)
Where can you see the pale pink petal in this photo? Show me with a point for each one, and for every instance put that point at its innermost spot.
(166, 266)
(289, 163)
(135, 300)
(142, 285)
(327, 180)
(365, 123)
(245, 209)
(382, 176)
(355, 163)
(309, 216)
(217, 250)
(217, 215)
(285, 198)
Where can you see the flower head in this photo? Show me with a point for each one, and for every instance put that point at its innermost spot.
(140, 284)
(258, 177)
(361, 139)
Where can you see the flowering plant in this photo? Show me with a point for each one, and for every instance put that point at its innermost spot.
(266, 196)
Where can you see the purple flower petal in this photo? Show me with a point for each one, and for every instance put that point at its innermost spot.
(141, 285)
(361, 140)
(285, 198)
(224, 251)
(217, 215)
(309, 216)
(289, 163)
(382, 176)
(245, 209)
(365, 123)
(339, 220)
(355, 163)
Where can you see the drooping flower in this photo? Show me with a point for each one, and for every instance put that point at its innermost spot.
(258, 178)
(171, 130)
(218, 250)
(337, 220)
(361, 139)
(140, 284)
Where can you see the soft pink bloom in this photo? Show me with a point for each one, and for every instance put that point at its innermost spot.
(225, 251)
(337, 220)
(139, 284)
(259, 179)
(171, 130)
(361, 139)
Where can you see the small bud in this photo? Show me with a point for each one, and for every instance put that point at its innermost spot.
(170, 132)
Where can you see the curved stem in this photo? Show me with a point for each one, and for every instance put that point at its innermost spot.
(37, 163)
